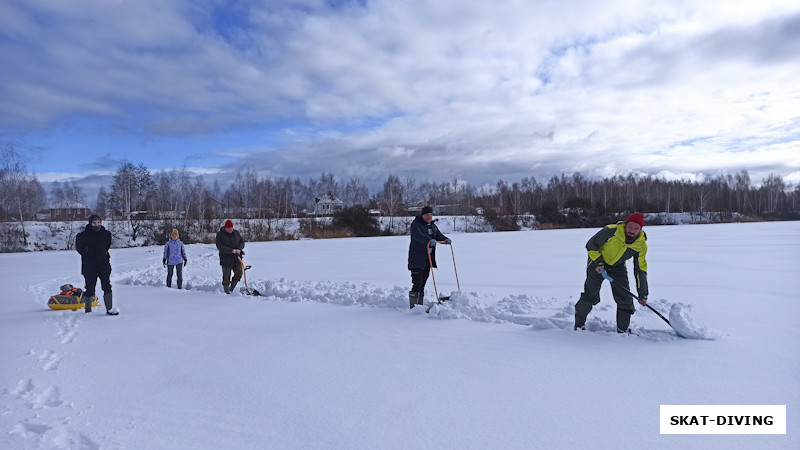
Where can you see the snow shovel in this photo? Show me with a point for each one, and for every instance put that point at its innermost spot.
(246, 289)
(439, 300)
(608, 277)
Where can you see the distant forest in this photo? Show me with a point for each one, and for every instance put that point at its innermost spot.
(566, 200)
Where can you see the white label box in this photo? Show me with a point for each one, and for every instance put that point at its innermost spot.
(723, 419)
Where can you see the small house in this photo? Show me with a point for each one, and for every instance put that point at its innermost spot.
(327, 205)
(70, 212)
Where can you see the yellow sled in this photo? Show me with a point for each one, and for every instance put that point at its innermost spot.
(73, 302)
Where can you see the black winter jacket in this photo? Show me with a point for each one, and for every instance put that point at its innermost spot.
(421, 234)
(226, 242)
(93, 247)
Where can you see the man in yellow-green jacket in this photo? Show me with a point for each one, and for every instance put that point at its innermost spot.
(608, 250)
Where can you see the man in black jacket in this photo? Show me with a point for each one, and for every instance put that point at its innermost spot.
(93, 244)
(230, 245)
(423, 233)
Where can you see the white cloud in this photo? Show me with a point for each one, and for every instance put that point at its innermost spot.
(483, 89)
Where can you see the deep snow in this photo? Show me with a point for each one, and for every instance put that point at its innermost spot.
(331, 357)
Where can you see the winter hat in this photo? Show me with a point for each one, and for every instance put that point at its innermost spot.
(427, 210)
(636, 218)
(228, 224)
(94, 217)
(175, 233)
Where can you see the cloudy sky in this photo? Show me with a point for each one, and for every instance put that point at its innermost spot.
(438, 89)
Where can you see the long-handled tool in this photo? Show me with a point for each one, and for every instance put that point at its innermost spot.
(246, 289)
(624, 288)
(433, 275)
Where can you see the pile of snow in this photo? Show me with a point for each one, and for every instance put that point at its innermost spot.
(685, 327)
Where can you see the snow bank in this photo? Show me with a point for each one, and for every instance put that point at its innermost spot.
(685, 327)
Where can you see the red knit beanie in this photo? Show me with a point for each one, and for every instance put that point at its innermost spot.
(229, 224)
(636, 218)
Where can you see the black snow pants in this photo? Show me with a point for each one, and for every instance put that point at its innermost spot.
(419, 277)
(91, 276)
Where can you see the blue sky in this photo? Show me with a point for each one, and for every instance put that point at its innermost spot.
(435, 89)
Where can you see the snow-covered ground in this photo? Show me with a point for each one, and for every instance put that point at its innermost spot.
(331, 357)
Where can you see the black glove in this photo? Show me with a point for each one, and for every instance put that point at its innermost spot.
(184, 262)
(164, 261)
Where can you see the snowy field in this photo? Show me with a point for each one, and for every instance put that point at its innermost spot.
(331, 357)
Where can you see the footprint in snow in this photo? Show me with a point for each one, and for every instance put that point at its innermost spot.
(50, 360)
(23, 387)
(50, 398)
(46, 436)
(29, 430)
(68, 329)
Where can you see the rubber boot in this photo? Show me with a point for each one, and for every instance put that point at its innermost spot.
(226, 288)
(233, 285)
(582, 310)
(87, 303)
(623, 320)
(413, 298)
(421, 298)
(108, 299)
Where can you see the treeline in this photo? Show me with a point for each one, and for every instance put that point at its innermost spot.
(138, 194)
(255, 196)
(726, 194)
(250, 195)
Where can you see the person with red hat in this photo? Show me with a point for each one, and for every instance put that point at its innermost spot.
(608, 250)
(231, 247)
